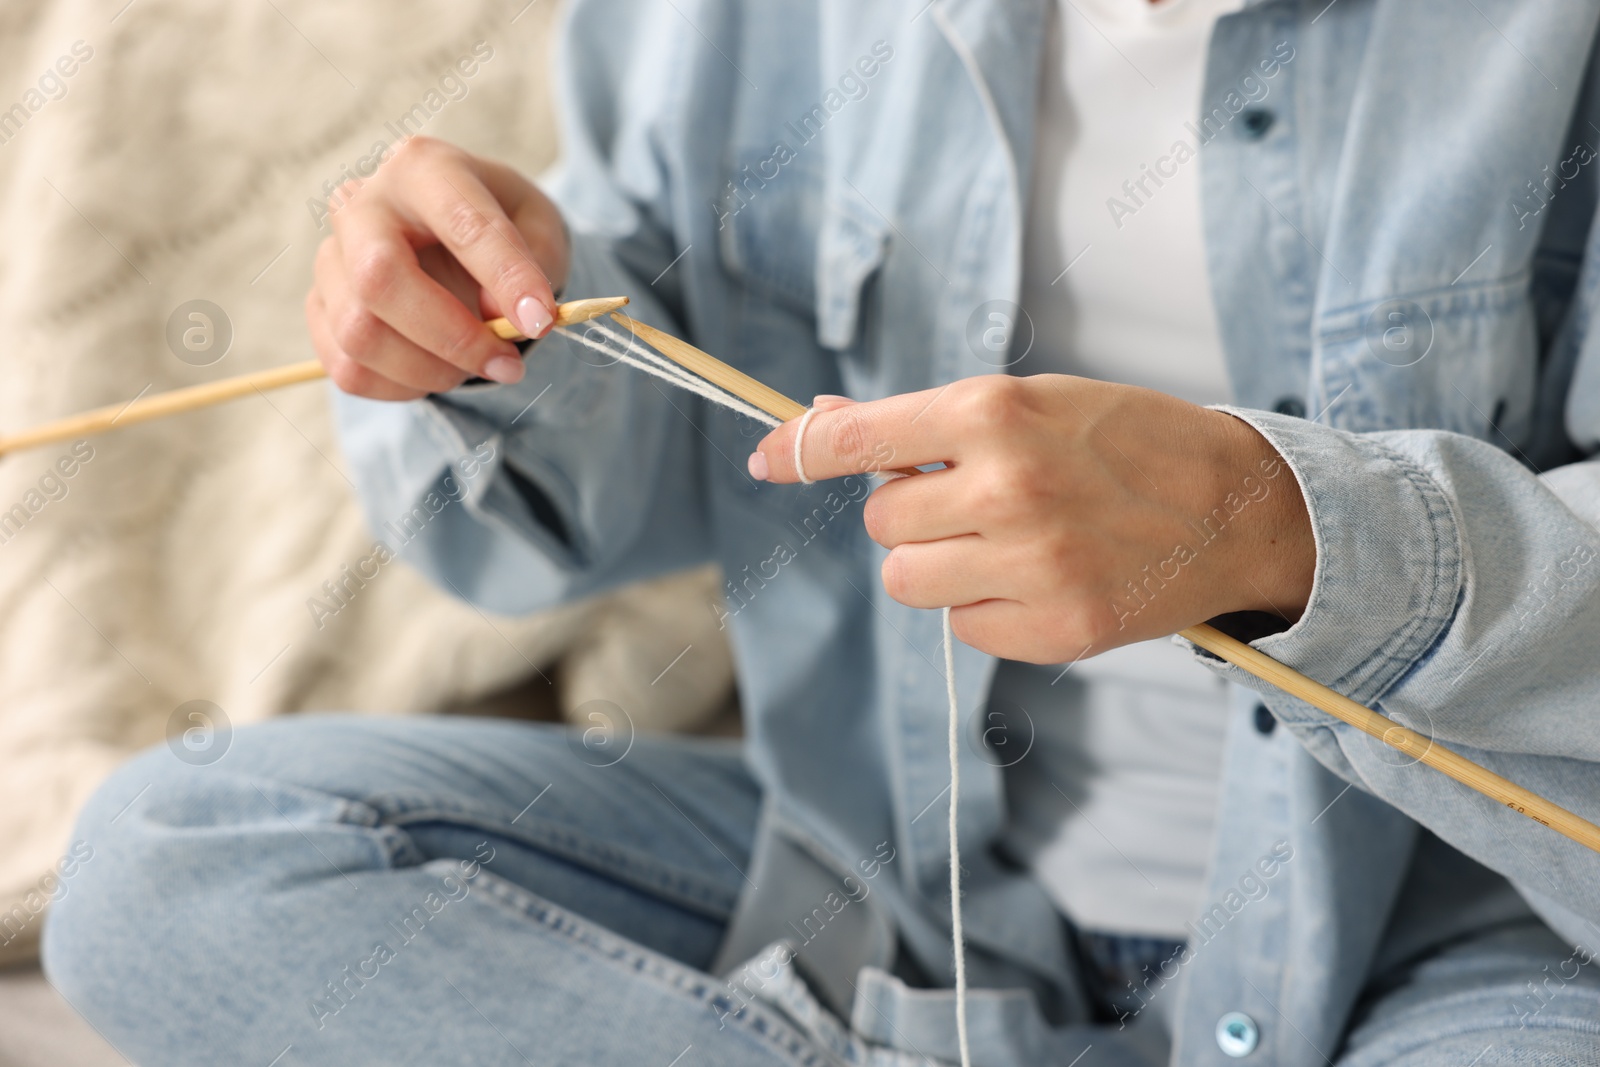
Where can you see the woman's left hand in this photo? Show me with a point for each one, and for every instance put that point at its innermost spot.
(1071, 516)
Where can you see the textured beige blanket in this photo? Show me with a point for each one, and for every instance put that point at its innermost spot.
(178, 150)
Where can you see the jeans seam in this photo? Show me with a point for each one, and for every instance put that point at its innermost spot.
(613, 861)
(758, 1023)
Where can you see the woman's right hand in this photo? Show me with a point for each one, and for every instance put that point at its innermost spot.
(422, 252)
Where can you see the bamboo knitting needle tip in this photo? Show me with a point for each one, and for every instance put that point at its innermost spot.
(116, 416)
(569, 314)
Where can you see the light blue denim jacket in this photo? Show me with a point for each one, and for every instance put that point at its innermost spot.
(1455, 590)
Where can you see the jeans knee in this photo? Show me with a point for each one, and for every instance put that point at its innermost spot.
(91, 918)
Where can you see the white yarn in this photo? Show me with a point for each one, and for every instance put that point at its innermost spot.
(799, 446)
(636, 348)
(639, 357)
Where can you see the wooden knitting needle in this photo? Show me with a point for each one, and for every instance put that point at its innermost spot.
(115, 416)
(1419, 746)
(1259, 664)
(715, 371)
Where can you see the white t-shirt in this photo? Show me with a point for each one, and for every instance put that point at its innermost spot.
(1114, 807)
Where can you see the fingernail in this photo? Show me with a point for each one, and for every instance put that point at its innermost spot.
(503, 369)
(758, 466)
(829, 399)
(533, 318)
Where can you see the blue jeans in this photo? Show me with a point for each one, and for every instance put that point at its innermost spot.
(343, 891)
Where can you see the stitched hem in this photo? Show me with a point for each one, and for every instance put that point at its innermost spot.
(620, 864)
(1337, 625)
(756, 1022)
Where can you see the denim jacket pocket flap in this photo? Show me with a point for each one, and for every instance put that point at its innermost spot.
(850, 250)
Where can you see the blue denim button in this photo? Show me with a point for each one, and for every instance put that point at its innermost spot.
(1237, 1034)
(1255, 123)
(1265, 723)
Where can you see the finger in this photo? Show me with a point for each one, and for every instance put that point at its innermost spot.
(925, 508)
(346, 373)
(1013, 630)
(387, 279)
(829, 402)
(955, 571)
(453, 204)
(373, 343)
(535, 216)
(873, 436)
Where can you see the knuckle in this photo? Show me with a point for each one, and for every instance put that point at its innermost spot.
(876, 516)
(1005, 493)
(444, 380)
(1080, 627)
(965, 628)
(465, 225)
(896, 576)
(515, 274)
(991, 403)
(1056, 561)
(464, 348)
(421, 149)
(1061, 558)
(356, 332)
(848, 435)
(350, 376)
(327, 252)
(375, 274)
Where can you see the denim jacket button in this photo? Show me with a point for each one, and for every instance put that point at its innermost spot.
(1265, 723)
(1255, 123)
(1237, 1034)
(1291, 406)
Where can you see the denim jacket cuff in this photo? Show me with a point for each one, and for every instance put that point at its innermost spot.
(1389, 568)
(536, 425)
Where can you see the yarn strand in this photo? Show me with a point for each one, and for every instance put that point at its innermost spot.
(635, 355)
(629, 351)
(799, 448)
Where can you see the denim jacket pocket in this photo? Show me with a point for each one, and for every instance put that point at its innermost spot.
(785, 238)
(1404, 356)
(850, 250)
(769, 215)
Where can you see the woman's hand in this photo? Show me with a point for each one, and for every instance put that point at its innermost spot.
(422, 252)
(1072, 515)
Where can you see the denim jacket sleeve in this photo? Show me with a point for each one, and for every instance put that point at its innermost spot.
(583, 475)
(1458, 593)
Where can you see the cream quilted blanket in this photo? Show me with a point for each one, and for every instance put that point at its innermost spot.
(180, 150)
